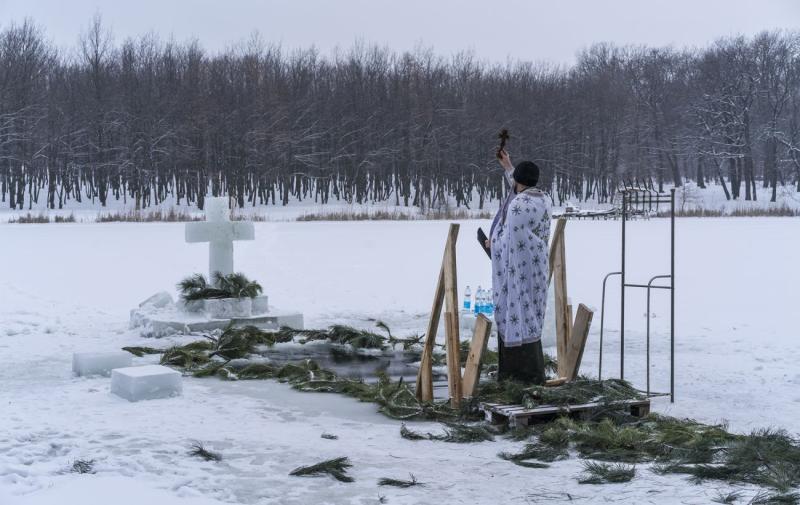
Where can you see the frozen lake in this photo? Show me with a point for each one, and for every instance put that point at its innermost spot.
(69, 287)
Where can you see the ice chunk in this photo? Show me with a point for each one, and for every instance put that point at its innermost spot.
(290, 319)
(260, 305)
(158, 301)
(145, 382)
(99, 363)
(226, 308)
(191, 305)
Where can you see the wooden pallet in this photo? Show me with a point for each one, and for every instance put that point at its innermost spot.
(518, 415)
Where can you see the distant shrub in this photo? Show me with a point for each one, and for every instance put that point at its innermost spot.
(248, 217)
(137, 216)
(769, 211)
(30, 219)
(396, 215)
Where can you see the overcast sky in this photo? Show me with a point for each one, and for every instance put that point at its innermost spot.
(551, 30)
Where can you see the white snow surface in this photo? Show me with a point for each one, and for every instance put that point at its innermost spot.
(69, 287)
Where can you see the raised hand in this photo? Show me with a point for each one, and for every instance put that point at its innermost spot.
(505, 160)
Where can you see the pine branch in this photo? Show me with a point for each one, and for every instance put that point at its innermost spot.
(141, 351)
(385, 481)
(605, 473)
(82, 466)
(198, 450)
(336, 468)
(727, 498)
(535, 451)
(235, 285)
(411, 435)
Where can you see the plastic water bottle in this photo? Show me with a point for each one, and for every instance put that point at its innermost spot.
(467, 299)
(489, 307)
(478, 300)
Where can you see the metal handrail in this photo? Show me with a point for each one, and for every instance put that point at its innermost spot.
(602, 318)
(649, 289)
(635, 198)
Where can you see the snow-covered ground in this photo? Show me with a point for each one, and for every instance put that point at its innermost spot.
(68, 287)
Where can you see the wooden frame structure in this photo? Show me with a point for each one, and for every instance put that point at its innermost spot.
(570, 335)
(447, 295)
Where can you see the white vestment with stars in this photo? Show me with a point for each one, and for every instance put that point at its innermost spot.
(520, 267)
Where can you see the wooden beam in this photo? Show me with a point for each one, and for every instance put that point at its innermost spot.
(450, 277)
(555, 382)
(453, 340)
(569, 322)
(558, 235)
(472, 370)
(453, 359)
(425, 373)
(424, 389)
(563, 320)
(580, 332)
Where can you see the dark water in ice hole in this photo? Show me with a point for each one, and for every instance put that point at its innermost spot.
(363, 365)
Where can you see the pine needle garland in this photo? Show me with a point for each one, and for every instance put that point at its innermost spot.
(339, 334)
(766, 458)
(453, 433)
(336, 468)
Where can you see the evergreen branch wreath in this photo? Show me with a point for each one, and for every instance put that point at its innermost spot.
(236, 285)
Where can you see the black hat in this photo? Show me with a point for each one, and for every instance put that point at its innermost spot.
(526, 173)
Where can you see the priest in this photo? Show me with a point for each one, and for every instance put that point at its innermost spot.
(519, 251)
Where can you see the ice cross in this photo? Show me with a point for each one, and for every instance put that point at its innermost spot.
(220, 232)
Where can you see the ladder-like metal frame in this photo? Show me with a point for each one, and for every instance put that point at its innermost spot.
(641, 200)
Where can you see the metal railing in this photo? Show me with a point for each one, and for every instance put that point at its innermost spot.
(641, 200)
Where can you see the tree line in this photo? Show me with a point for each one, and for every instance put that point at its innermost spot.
(146, 121)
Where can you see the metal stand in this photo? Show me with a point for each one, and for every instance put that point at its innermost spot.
(640, 202)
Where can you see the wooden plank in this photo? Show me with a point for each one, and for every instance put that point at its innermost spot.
(450, 270)
(453, 341)
(425, 373)
(514, 410)
(424, 389)
(555, 382)
(569, 323)
(472, 369)
(577, 343)
(520, 415)
(557, 235)
(562, 316)
(453, 358)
